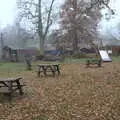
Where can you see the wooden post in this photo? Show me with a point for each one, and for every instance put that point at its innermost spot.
(28, 62)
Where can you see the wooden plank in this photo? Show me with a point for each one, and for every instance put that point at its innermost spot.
(4, 90)
(1, 86)
(48, 65)
(9, 79)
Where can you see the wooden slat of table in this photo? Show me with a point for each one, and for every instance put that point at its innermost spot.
(9, 79)
(47, 64)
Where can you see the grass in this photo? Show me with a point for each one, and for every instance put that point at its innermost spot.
(116, 58)
(82, 60)
(10, 69)
(73, 60)
(7, 66)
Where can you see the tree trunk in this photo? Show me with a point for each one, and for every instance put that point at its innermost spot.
(42, 33)
(28, 62)
(75, 42)
(75, 38)
(41, 46)
(40, 29)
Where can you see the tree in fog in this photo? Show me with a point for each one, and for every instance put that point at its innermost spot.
(40, 14)
(16, 36)
(79, 19)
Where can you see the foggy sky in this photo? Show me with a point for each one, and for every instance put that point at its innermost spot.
(7, 12)
(110, 28)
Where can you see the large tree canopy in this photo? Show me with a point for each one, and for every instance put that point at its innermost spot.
(79, 19)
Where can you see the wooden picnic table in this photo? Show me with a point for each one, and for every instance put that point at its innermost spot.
(93, 62)
(10, 85)
(44, 68)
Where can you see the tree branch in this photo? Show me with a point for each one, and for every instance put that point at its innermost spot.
(49, 22)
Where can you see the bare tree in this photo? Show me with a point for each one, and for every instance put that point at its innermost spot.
(16, 36)
(40, 14)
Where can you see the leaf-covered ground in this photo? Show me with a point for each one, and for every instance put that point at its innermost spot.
(79, 93)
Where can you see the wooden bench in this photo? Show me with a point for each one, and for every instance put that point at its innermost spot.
(45, 68)
(98, 62)
(10, 85)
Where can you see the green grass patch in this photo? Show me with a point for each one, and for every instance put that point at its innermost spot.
(73, 60)
(12, 69)
(83, 60)
(116, 58)
(8, 69)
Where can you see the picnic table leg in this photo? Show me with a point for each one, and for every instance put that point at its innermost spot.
(58, 69)
(87, 63)
(99, 63)
(19, 87)
(10, 89)
(38, 72)
(44, 70)
(52, 70)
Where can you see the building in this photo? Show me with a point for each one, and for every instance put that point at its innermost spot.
(19, 54)
(114, 46)
(115, 49)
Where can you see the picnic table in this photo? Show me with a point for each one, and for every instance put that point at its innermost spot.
(45, 68)
(10, 85)
(93, 62)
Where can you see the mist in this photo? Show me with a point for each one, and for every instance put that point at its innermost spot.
(109, 26)
(8, 11)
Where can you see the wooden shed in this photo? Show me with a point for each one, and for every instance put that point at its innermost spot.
(116, 49)
(18, 54)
